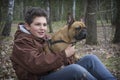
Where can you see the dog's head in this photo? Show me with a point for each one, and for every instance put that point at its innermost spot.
(77, 30)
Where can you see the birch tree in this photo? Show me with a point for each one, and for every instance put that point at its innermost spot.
(3, 13)
(9, 19)
(74, 8)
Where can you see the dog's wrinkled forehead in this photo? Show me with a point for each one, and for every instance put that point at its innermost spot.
(78, 24)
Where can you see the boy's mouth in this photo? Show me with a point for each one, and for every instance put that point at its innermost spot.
(41, 33)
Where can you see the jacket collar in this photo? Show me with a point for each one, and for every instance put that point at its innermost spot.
(24, 30)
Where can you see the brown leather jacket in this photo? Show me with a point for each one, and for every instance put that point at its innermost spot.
(30, 60)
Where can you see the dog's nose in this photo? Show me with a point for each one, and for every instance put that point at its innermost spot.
(81, 35)
(84, 32)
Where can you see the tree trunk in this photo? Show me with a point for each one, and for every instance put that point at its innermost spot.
(117, 23)
(113, 12)
(91, 22)
(74, 8)
(62, 9)
(3, 14)
(21, 4)
(9, 19)
(49, 16)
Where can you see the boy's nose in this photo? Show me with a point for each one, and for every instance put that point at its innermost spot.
(41, 27)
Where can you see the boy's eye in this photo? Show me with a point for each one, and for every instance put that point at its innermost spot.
(44, 24)
(39, 24)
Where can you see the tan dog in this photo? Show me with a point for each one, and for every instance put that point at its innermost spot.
(71, 33)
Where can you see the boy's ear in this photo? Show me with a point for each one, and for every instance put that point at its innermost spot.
(27, 26)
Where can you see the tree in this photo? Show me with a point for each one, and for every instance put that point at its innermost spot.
(48, 2)
(117, 23)
(74, 8)
(3, 13)
(9, 19)
(91, 22)
(62, 10)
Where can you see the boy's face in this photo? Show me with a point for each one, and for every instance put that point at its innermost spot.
(38, 27)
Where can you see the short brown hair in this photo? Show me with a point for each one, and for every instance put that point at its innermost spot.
(34, 12)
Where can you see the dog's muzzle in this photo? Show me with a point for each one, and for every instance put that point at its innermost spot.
(81, 35)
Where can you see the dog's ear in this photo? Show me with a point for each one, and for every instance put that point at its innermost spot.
(71, 22)
(70, 19)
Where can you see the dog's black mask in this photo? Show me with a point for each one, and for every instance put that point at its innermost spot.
(80, 34)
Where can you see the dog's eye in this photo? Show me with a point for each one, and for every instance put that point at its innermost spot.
(78, 28)
(84, 28)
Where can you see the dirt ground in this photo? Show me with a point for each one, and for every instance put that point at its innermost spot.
(108, 53)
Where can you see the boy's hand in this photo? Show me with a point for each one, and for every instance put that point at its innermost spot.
(70, 50)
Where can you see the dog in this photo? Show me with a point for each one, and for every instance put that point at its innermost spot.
(71, 33)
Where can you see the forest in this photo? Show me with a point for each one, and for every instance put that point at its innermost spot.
(102, 18)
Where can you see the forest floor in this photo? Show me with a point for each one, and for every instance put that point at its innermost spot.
(108, 52)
